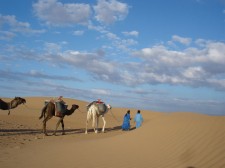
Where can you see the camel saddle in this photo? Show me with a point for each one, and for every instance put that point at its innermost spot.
(102, 108)
(60, 108)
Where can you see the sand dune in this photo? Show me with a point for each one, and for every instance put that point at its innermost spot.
(166, 140)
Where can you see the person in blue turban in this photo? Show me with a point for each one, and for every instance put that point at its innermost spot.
(126, 121)
(138, 119)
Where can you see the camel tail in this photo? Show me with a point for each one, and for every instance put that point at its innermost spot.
(43, 111)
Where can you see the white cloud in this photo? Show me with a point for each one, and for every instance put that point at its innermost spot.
(131, 33)
(15, 26)
(112, 36)
(56, 13)
(109, 11)
(100, 92)
(193, 72)
(78, 32)
(191, 67)
(182, 40)
(52, 48)
(6, 35)
(216, 52)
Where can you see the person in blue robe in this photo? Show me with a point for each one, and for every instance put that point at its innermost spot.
(138, 119)
(126, 121)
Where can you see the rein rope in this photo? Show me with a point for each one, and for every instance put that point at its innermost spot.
(114, 116)
(30, 108)
(80, 110)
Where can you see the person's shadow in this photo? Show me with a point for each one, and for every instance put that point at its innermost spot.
(133, 128)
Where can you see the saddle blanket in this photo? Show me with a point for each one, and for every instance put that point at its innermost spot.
(60, 108)
(102, 108)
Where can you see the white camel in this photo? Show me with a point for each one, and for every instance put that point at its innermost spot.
(94, 112)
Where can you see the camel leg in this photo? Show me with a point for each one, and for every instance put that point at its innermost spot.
(95, 123)
(104, 123)
(57, 125)
(62, 124)
(86, 131)
(87, 121)
(9, 112)
(44, 125)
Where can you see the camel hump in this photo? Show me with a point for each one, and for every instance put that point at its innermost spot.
(61, 107)
(102, 108)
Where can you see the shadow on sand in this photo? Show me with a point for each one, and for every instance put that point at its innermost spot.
(12, 132)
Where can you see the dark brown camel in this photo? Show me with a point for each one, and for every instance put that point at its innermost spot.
(48, 112)
(12, 104)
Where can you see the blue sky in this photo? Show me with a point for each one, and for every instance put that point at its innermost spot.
(158, 55)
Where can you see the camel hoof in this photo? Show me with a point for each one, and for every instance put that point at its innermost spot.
(96, 132)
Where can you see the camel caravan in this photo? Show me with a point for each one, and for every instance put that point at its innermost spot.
(59, 108)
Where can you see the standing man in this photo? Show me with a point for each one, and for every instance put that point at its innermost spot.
(138, 119)
(126, 121)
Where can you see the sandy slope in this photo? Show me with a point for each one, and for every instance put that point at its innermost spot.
(176, 140)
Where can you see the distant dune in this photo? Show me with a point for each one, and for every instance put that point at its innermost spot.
(165, 140)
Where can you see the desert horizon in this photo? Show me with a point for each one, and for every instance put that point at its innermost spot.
(187, 140)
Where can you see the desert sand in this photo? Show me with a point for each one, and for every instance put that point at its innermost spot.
(165, 140)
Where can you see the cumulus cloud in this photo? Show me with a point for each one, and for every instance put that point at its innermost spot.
(182, 40)
(14, 26)
(22, 76)
(109, 11)
(78, 32)
(56, 13)
(6, 35)
(131, 33)
(191, 67)
(195, 66)
(94, 63)
(52, 48)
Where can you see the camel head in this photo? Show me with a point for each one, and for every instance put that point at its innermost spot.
(20, 100)
(71, 111)
(74, 106)
(108, 106)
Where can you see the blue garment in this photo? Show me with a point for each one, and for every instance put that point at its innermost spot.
(138, 119)
(126, 122)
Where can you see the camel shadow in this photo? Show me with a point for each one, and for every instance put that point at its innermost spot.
(71, 131)
(91, 130)
(116, 128)
(12, 132)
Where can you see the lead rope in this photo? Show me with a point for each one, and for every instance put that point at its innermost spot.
(114, 116)
(80, 110)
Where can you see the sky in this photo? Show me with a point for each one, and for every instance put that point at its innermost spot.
(159, 55)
